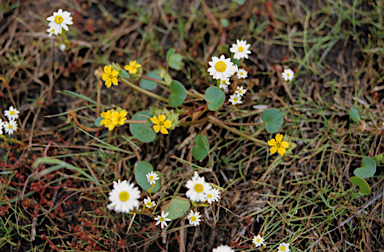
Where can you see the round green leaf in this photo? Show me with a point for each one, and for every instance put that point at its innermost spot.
(367, 170)
(98, 121)
(215, 97)
(178, 94)
(147, 84)
(141, 171)
(273, 119)
(177, 208)
(176, 61)
(201, 149)
(362, 184)
(143, 132)
(354, 114)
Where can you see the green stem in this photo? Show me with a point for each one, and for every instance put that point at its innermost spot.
(235, 131)
(143, 90)
(66, 42)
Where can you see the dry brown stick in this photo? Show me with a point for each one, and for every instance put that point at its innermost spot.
(73, 115)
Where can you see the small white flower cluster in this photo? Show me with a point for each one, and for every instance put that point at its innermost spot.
(200, 191)
(223, 69)
(58, 21)
(258, 241)
(125, 198)
(11, 126)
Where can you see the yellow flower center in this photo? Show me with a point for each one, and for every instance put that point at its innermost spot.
(162, 219)
(209, 195)
(12, 112)
(224, 81)
(241, 48)
(220, 66)
(193, 218)
(287, 74)
(149, 204)
(241, 73)
(199, 188)
(10, 126)
(59, 19)
(282, 248)
(235, 99)
(258, 240)
(151, 177)
(124, 196)
(240, 91)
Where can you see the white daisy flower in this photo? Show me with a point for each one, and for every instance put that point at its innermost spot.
(240, 91)
(242, 73)
(51, 31)
(59, 20)
(240, 49)
(284, 247)
(213, 195)
(124, 196)
(161, 219)
(195, 176)
(148, 203)
(1, 126)
(152, 177)
(223, 248)
(235, 99)
(221, 68)
(288, 74)
(12, 113)
(10, 127)
(258, 240)
(224, 83)
(197, 189)
(194, 218)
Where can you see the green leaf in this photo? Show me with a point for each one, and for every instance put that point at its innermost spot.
(354, 114)
(142, 132)
(170, 53)
(98, 120)
(124, 74)
(147, 84)
(273, 119)
(215, 97)
(176, 61)
(367, 170)
(362, 184)
(201, 149)
(141, 171)
(177, 208)
(224, 22)
(178, 94)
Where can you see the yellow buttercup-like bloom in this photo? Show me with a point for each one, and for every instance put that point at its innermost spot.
(132, 67)
(161, 124)
(119, 118)
(110, 76)
(278, 145)
(107, 119)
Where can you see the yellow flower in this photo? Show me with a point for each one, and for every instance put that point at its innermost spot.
(109, 76)
(279, 145)
(119, 118)
(132, 67)
(107, 121)
(161, 124)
